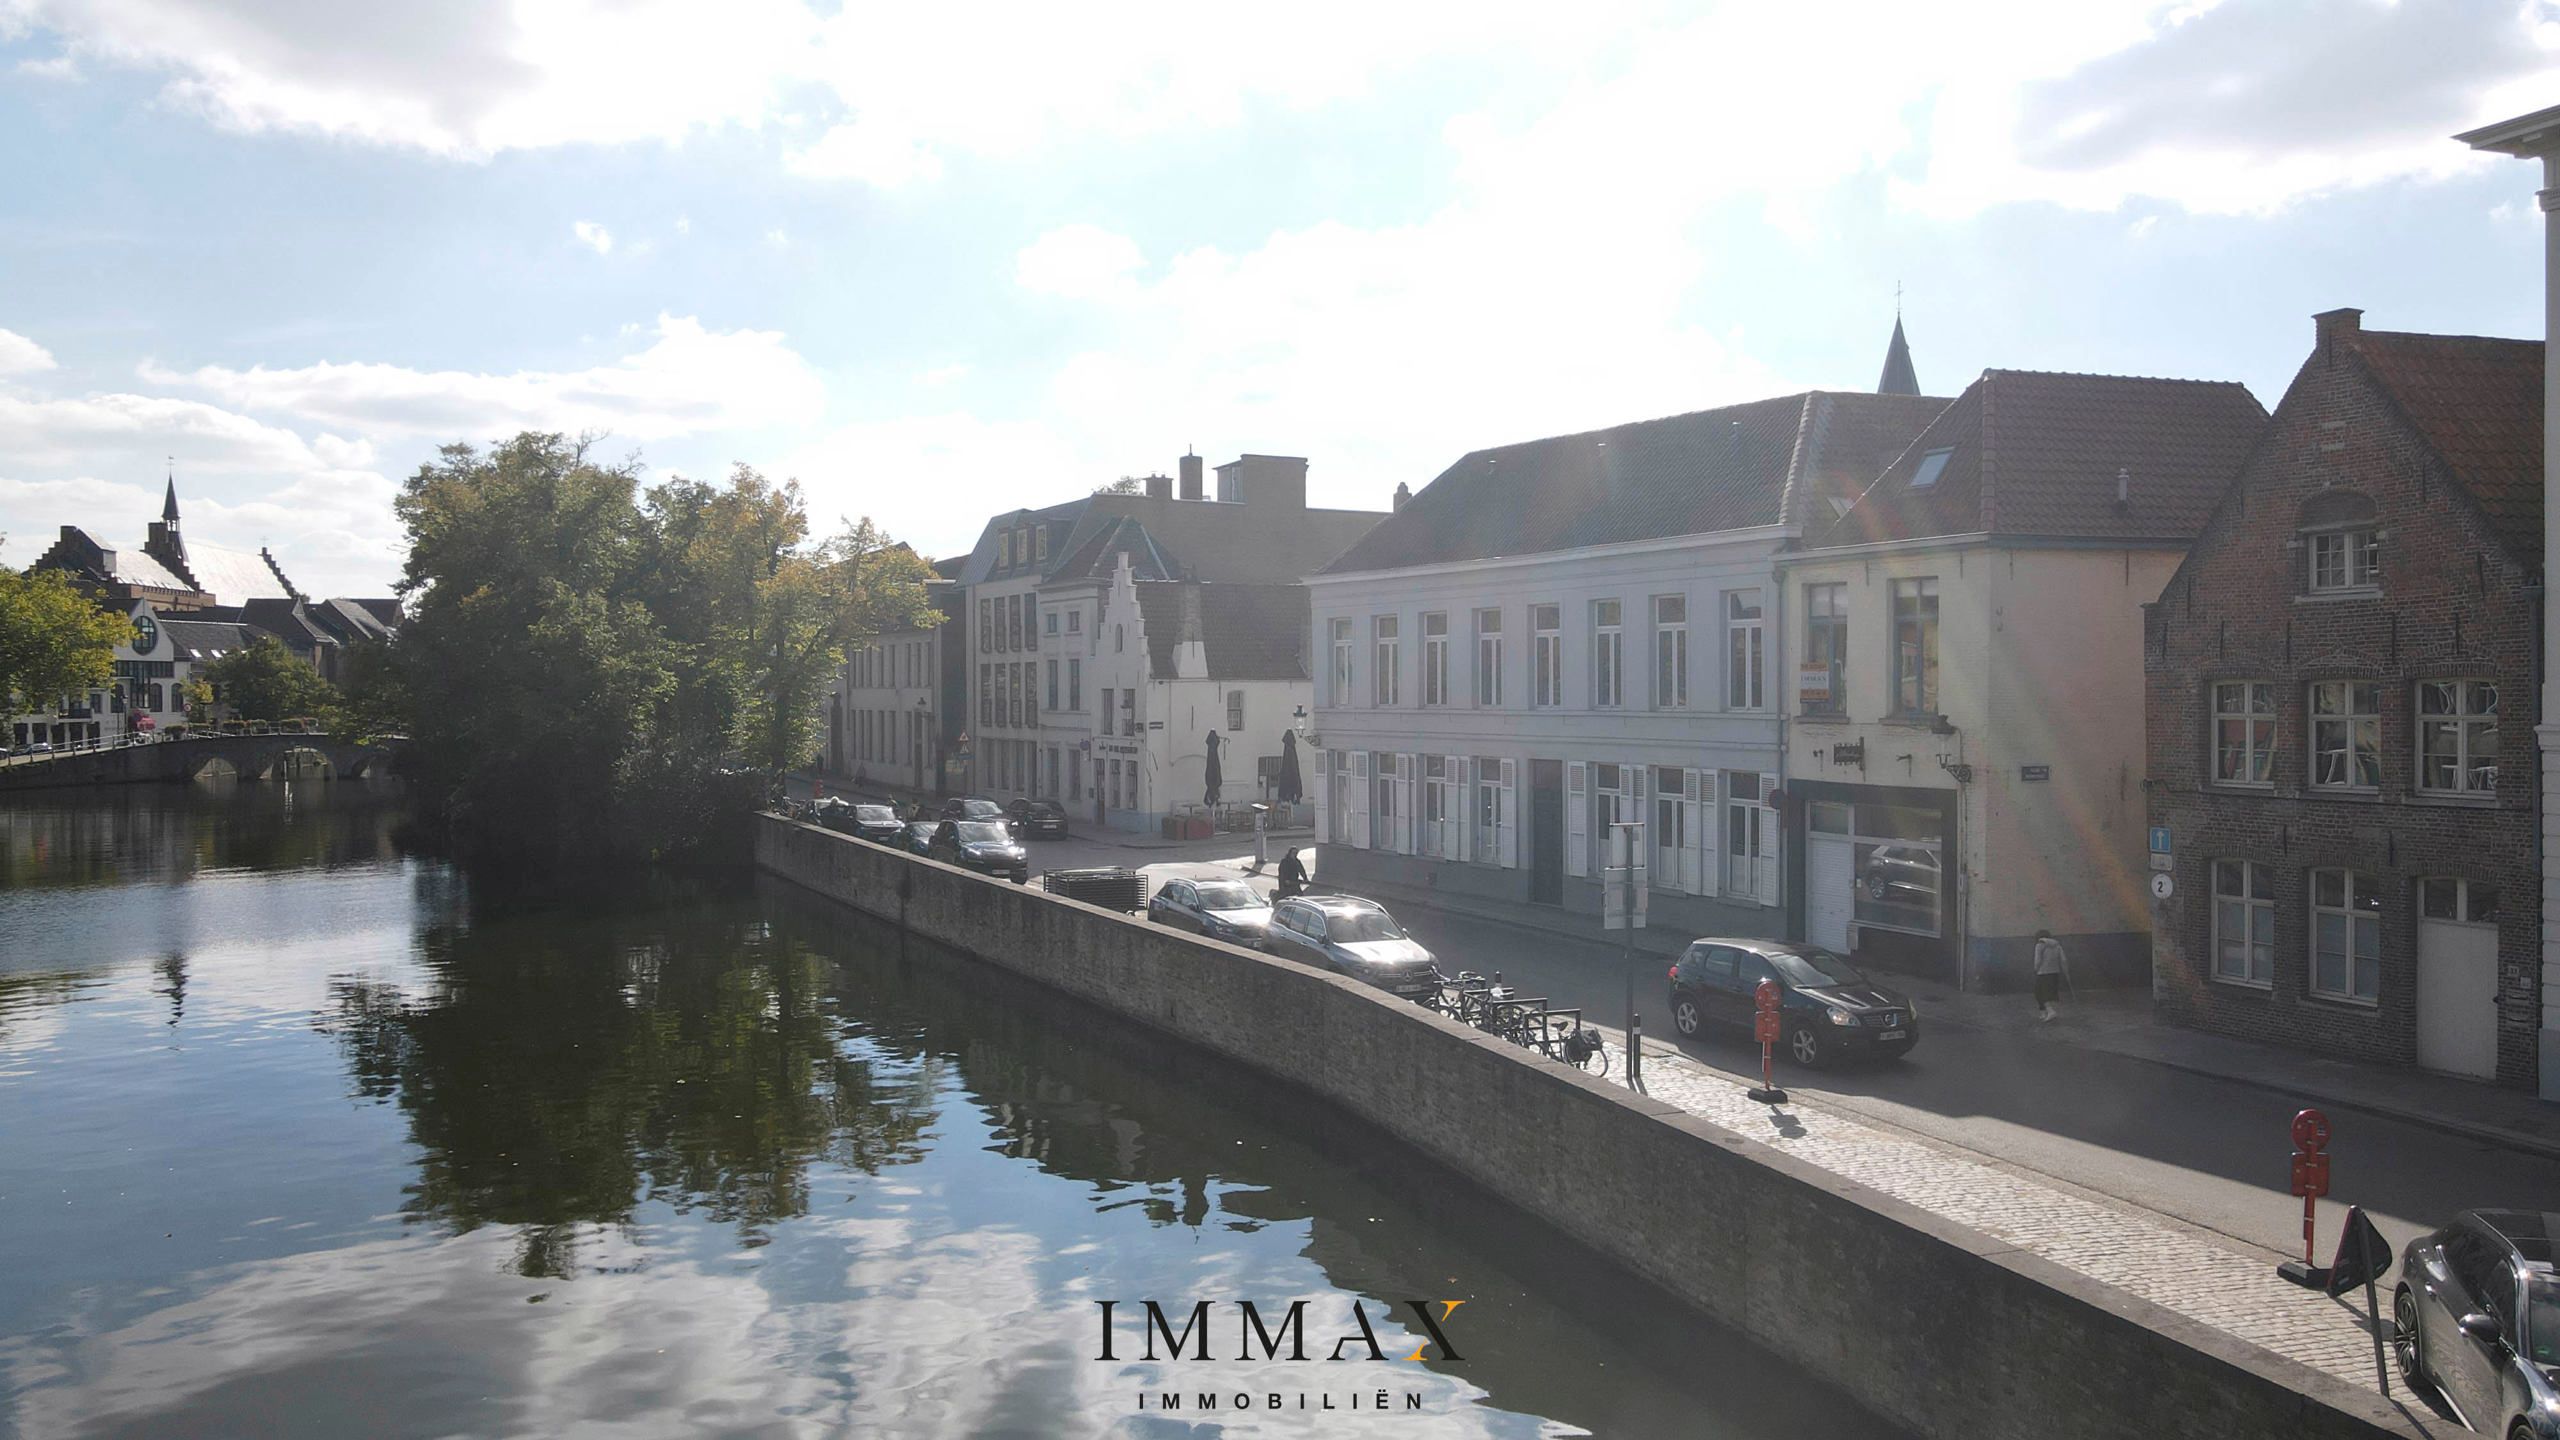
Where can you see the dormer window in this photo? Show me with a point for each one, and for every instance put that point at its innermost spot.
(1932, 465)
(2341, 543)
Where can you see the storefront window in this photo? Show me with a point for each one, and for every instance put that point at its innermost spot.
(1900, 875)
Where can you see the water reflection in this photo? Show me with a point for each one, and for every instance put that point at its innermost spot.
(376, 1151)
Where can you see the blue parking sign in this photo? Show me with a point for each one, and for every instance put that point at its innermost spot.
(2159, 839)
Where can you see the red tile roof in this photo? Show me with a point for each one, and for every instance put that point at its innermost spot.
(2037, 454)
(2478, 403)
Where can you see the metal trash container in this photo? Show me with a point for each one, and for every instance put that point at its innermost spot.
(1110, 887)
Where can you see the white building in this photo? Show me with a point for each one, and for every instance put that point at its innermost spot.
(884, 719)
(1035, 585)
(147, 691)
(1177, 666)
(2537, 137)
(1965, 740)
(1556, 635)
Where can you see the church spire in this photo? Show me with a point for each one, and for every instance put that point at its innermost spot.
(1898, 377)
(169, 507)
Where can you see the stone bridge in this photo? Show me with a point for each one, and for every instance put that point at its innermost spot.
(248, 757)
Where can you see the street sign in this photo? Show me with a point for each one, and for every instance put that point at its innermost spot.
(2162, 887)
(2160, 840)
(2160, 861)
(2035, 772)
(1626, 878)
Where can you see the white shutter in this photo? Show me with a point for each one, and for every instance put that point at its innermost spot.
(1631, 806)
(1455, 792)
(1697, 860)
(1510, 829)
(1408, 814)
(1577, 817)
(1358, 790)
(1764, 872)
(1324, 794)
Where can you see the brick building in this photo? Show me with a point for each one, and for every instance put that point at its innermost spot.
(2333, 676)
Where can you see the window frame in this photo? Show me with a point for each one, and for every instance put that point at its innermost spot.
(1343, 688)
(1546, 656)
(1387, 642)
(1923, 702)
(1488, 676)
(1435, 659)
(2256, 900)
(1746, 681)
(1826, 634)
(2358, 555)
(2363, 733)
(1608, 655)
(1670, 652)
(2256, 756)
(2463, 720)
(2359, 908)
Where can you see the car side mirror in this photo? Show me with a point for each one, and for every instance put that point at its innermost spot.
(2480, 1327)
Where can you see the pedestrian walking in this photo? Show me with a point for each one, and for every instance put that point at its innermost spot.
(1293, 874)
(2053, 972)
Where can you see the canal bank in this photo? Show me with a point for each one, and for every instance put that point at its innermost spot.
(1941, 1326)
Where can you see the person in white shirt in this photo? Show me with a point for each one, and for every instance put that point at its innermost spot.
(2053, 972)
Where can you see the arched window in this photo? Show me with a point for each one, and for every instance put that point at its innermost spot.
(2341, 542)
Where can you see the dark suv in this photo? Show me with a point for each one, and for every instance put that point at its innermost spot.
(1828, 1009)
(1041, 819)
(2476, 1317)
(983, 845)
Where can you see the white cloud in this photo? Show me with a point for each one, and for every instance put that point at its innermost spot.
(688, 381)
(594, 236)
(869, 151)
(944, 374)
(22, 356)
(1079, 262)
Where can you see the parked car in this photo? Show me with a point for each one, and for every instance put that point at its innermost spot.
(1218, 908)
(1354, 937)
(2476, 1317)
(918, 837)
(984, 845)
(40, 747)
(878, 824)
(1828, 1009)
(1043, 819)
(1902, 872)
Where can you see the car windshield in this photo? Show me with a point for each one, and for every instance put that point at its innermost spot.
(981, 832)
(1355, 926)
(1811, 966)
(1228, 895)
(2542, 1319)
(980, 810)
(875, 814)
(1043, 807)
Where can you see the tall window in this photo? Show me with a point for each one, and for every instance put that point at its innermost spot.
(2244, 732)
(1435, 659)
(1030, 693)
(986, 694)
(1129, 726)
(1489, 658)
(1382, 684)
(1607, 809)
(1049, 623)
(1075, 685)
(1608, 672)
(1040, 543)
(2346, 734)
(1013, 625)
(1235, 710)
(2346, 935)
(2244, 923)
(1915, 647)
(1671, 651)
(1488, 827)
(1106, 711)
(1746, 651)
(1432, 803)
(986, 624)
(2346, 559)
(2458, 736)
(1052, 688)
(1670, 825)
(1546, 655)
(1822, 684)
(1075, 622)
(1342, 662)
(1030, 622)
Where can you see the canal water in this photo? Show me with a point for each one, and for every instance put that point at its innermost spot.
(302, 1135)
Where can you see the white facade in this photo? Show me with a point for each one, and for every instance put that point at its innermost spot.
(885, 717)
(1490, 719)
(150, 677)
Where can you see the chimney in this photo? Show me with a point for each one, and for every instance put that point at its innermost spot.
(1159, 487)
(1266, 482)
(2124, 488)
(1191, 477)
(2328, 325)
(1404, 492)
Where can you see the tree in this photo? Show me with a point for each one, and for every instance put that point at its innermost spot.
(1125, 485)
(53, 639)
(266, 681)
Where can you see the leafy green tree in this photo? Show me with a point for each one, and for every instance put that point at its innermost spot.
(373, 691)
(267, 681)
(54, 640)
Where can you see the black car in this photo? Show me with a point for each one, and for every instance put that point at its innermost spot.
(876, 823)
(918, 837)
(984, 845)
(1221, 909)
(1828, 1009)
(1042, 819)
(2476, 1316)
(971, 807)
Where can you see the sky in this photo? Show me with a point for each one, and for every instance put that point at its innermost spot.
(936, 262)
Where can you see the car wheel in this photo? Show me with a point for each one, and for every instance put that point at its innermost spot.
(1805, 1044)
(2404, 1338)
(1876, 887)
(1685, 1016)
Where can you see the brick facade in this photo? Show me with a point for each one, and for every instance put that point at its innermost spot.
(2452, 603)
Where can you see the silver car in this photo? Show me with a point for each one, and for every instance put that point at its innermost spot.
(2476, 1317)
(1353, 937)
(1219, 909)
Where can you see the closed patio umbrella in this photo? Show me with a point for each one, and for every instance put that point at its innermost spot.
(1292, 789)
(1214, 776)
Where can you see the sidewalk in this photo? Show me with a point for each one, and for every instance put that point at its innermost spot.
(2120, 1022)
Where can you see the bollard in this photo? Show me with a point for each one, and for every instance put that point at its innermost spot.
(2310, 1181)
(1766, 1025)
(1635, 1053)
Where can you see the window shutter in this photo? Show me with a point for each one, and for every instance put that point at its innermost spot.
(1764, 870)
(1510, 820)
(1408, 814)
(1638, 781)
(1456, 803)
(1577, 817)
(1323, 794)
(1359, 791)
(1702, 832)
